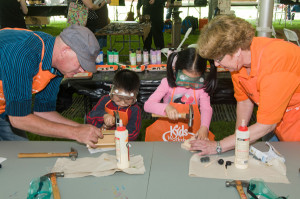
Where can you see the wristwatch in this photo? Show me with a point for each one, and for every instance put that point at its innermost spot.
(219, 148)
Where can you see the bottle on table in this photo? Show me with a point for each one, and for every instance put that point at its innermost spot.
(132, 58)
(122, 149)
(138, 56)
(116, 57)
(99, 59)
(110, 57)
(158, 56)
(152, 56)
(145, 57)
(242, 138)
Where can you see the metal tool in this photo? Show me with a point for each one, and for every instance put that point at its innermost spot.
(73, 155)
(238, 184)
(117, 118)
(189, 116)
(53, 176)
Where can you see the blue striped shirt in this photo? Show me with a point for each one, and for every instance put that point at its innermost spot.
(20, 55)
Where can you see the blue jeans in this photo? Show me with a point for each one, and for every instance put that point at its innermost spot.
(274, 139)
(7, 134)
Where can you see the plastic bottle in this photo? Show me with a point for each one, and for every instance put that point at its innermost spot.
(158, 56)
(130, 51)
(122, 150)
(145, 56)
(152, 56)
(138, 56)
(110, 57)
(116, 57)
(132, 58)
(99, 59)
(242, 138)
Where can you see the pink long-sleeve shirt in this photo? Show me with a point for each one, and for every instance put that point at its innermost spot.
(164, 91)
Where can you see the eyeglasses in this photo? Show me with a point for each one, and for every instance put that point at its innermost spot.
(220, 59)
(127, 100)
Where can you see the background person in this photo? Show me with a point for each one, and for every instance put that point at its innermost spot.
(12, 13)
(170, 10)
(122, 98)
(35, 63)
(155, 9)
(264, 71)
(97, 18)
(185, 84)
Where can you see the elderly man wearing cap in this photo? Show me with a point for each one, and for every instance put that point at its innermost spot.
(35, 63)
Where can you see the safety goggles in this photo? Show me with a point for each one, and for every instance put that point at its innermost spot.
(118, 96)
(187, 81)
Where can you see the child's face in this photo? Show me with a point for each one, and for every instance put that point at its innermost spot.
(188, 79)
(121, 100)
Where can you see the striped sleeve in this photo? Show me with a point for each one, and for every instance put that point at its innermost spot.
(134, 122)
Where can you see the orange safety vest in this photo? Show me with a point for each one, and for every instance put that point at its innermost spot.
(164, 129)
(288, 128)
(40, 80)
(123, 114)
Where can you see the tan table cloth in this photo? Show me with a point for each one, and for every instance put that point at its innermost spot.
(256, 169)
(104, 165)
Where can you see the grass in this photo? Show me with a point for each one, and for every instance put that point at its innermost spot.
(221, 129)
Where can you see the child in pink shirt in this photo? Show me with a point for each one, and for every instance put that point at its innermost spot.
(185, 84)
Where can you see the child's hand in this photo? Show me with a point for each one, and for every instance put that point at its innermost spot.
(109, 120)
(202, 133)
(171, 112)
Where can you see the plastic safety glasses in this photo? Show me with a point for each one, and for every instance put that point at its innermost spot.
(187, 81)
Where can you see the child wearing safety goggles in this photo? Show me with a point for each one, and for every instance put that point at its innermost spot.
(186, 89)
(122, 98)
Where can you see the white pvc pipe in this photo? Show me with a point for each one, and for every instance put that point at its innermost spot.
(264, 27)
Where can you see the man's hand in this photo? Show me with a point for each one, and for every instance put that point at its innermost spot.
(205, 146)
(109, 120)
(88, 134)
(171, 112)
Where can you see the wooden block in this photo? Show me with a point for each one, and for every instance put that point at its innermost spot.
(108, 139)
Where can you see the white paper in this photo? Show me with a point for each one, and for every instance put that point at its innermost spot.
(2, 159)
(97, 150)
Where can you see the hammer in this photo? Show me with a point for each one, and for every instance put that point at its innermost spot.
(189, 116)
(73, 154)
(55, 189)
(239, 184)
(117, 118)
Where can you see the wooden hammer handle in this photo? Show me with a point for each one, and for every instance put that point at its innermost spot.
(42, 155)
(180, 115)
(55, 190)
(240, 189)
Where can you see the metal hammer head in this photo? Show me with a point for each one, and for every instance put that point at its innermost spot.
(191, 115)
(233, 183)
(73, 154)
(56, 174)
(117, 118)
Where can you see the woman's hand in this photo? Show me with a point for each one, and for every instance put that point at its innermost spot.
(109, 120)
(171, 112)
